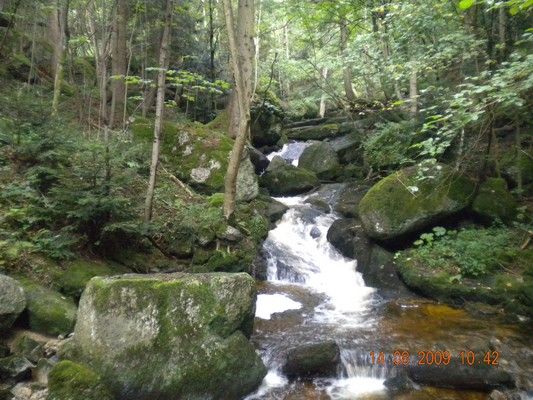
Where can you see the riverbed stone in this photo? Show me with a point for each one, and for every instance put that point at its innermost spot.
(259, 160)
(401, 204)
(170, 336)
(456, 376)
(312, 360)
(283, 179)
(49, 312)
(275, 210)
(15, 367)
(349, 199)
(71, 381)
(321, 159)
(494, 202)
(12, 302)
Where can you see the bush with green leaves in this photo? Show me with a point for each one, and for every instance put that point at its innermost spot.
(390, 145)
(469, 253)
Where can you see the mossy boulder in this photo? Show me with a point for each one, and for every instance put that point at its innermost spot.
(78, 273)
(170, 336)
(512, 167)
(283, 179)
(349, 199)
(316, 132)
(48, 311)
(71, 381)
(199, 154)
(321, 159)
(400, 203)
(12, 302)
(494, 201)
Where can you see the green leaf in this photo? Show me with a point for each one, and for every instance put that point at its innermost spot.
(466, 4)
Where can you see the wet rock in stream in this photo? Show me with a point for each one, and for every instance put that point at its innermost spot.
(311, 360)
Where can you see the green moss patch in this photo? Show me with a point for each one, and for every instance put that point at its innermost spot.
(477, 265)
(72, 381)
(48, 311)
(402, 203)
(494, 201)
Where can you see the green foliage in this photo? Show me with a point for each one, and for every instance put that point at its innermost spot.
(390, 145)
(465, 253)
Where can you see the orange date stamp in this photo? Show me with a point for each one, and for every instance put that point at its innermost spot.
(400, 358)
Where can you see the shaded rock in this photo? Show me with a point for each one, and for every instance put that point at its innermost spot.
(321, 159)
(349, 148)
(480, 377)
(79, 272)
(29, 391)
(48, 311)
(311, 360)
(135, 329)
(266, 126)
(69, 381)
(4, 350)
(231, 234)
(400, 383)
(259, 269)
(494, 201)
(29, 348)
(259, 160)
(247, 181)
(306, 122)
(317, 202)
(315, 232)
(349, 199)
(316, 132)
(12, 302)
(15, 368)
(512, 167)
(275, 210)
(401, 204)
(282, 179)
(347, 236)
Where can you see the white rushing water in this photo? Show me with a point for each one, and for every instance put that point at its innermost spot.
(299, 255)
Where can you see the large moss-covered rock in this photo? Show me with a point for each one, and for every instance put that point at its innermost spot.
(321, 159)
(401, 203)
(199, 155)
(283, 179)
(48, 311)
(494, 201)
(170, 336)
(71, 381)
(12, 302)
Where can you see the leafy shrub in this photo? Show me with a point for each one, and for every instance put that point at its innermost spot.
(390, 146)
(466, 253)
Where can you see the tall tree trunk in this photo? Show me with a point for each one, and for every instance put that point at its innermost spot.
(347, 70)
(159, 110)
(244, 34)
(413, 92)
(322, 106)
(119, 62)
(58, 23)
(241, 46)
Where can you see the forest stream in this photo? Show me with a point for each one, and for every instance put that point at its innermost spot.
(315, 295)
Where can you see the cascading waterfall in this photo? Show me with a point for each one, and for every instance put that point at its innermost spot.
(336, 302)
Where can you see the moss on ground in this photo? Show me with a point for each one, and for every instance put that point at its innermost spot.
(476, 265)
